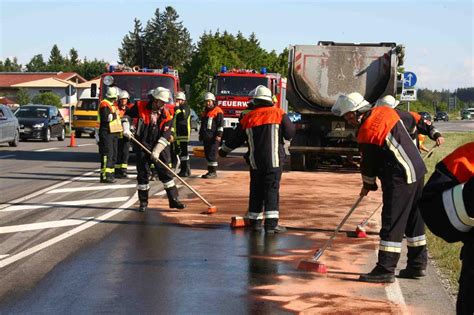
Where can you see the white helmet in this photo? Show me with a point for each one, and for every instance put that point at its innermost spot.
(112, 92)
(263, 93)
(162, 94)
(350, 103)
(123, 94)
(209, 96)
(387, 100)
(180, 96)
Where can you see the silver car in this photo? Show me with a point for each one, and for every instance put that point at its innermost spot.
(9, 127)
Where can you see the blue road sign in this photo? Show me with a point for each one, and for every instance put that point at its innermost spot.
(409, 79)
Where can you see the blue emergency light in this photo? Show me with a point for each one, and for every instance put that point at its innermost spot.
(165, 69)
(223, 69)
(111, 68)
(263, 70)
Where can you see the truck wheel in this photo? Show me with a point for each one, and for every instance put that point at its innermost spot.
(298, 161)
(92, 135)
(77, 133)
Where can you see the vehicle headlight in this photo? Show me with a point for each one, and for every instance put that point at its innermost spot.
(38, 126)
(108, 80)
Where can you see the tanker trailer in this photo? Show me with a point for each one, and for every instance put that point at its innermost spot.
(317, 75)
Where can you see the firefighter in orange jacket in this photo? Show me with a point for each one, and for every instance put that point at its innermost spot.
(389, 153)
(107, 139)
(210, 133)
(123, 144)
(447, 206)
(154, 132)
(264, 128)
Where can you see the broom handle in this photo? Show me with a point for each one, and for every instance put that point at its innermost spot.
(170, 170)
(329, 241)
(425, 157)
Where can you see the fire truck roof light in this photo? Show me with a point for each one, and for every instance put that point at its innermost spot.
(223, 69)
(263, 70)
(111, 68)
(165, 69)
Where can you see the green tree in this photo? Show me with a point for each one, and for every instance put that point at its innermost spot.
(36, 64)
(47, 98)
(132, 52)
(73, 57)
(56, 60)
(10, 65)
(22, 96)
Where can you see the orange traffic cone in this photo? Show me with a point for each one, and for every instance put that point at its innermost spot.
(73, 140)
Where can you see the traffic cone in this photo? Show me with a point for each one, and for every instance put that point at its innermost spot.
(73, 140)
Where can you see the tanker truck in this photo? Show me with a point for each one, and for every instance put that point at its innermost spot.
(317, 75)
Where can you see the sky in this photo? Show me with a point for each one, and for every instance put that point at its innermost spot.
(438, 35)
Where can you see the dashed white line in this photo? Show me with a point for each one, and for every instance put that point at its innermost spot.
(47, 149)
(86, 144)
(6, 156)
(3, 256)
(42, 225)
(64, 203)
(9, 260)
(95, 178)
(91, 188)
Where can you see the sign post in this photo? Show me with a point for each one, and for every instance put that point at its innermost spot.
(70, 90)
(409, 91)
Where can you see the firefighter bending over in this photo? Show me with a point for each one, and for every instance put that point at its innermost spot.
(447, 205)
(182, 129)
(154, 132)
(264, 128)
(389, 153)
(212, 129)
(108, 134)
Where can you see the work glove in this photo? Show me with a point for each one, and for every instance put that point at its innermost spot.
(218, 138)
(110, 117)
(155, 155)
(222, 153)
(127, 133)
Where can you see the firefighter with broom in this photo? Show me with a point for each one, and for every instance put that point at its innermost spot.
(154, 132)
(388, 152)
(264, 128)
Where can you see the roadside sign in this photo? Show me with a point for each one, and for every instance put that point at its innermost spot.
(408, 95)
(409, 79)
(70, 90)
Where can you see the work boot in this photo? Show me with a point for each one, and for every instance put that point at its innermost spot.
(276, 230)
(378, 275)
(412, 273)
(211, 172)
(185, 169)
(120, 173)
(176, 204)
(109, 179)
(143, 206)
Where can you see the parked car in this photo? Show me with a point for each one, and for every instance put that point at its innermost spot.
(441, 116)
(425, 116)
(195, 121)
(40, 122)
(9, 127)
(465, 114)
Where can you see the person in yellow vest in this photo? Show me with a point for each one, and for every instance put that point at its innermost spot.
(108, 134)
(182, 130)
(123, 144)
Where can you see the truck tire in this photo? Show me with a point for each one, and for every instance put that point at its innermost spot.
(298, 162)
(77, 133)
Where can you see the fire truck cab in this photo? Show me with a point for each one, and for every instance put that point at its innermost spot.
(232, 88)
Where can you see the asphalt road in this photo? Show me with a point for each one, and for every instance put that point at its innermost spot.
(69, 244)
(455, 125)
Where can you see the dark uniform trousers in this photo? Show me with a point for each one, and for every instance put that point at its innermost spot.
(401, 216)
(143, 170)
(210, 151)
(108, 152)
(123, 147)
(465, 302)
(182, 148)
(264, 196)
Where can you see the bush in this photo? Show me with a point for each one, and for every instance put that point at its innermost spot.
(47, 98)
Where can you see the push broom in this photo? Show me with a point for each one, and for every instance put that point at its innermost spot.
(360, 229)
(211, 209)
(313, 263)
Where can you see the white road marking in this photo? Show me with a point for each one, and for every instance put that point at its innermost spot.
(85, 144)
(41, 225)
(94, 188)
(64, 203)
(13, 258)
(129, 176)
(395, 295)
(43, 191)
(6, 156)
(47, 149)
(3, 256)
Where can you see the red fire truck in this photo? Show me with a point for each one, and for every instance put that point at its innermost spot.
(138, 82)
(232, 90)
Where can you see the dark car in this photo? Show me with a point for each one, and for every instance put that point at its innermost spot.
(425, 116)
(40, 122)
(195, 121)
(441, 116)
(9, 127)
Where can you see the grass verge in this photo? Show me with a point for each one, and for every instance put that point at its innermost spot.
(446, 255)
